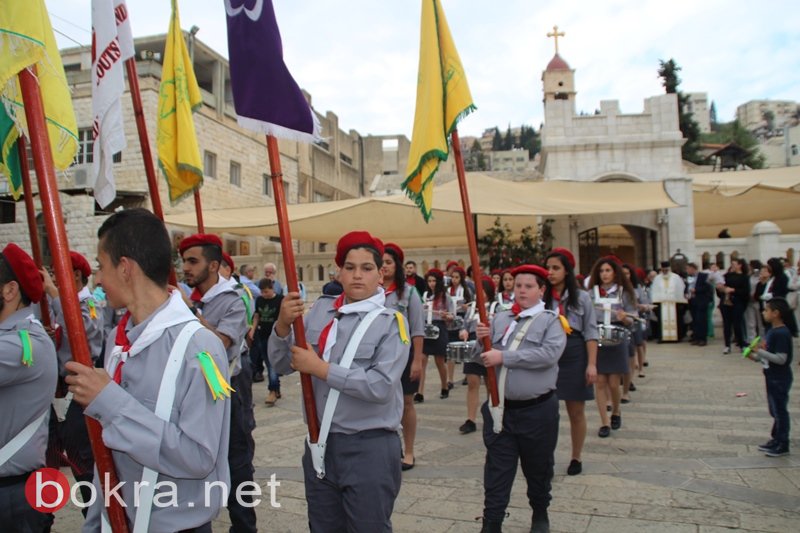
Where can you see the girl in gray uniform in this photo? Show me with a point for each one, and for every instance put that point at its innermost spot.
(404, 298)
(577, 367)
(352, 483)
(527, 342)
(435, 300)
(613, 298)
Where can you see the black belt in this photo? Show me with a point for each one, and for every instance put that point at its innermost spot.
(521, 404)
(8, 481)
(576, 333)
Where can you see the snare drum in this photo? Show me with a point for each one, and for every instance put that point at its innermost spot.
(612, 335)
(460, 352)
(458, 323)
(431, 331)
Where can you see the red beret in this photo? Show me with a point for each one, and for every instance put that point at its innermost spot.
(80, 263)
(487, 279)
(199, 239)
(435, 272)
(497, 272)
(640, 273)
(356, 239)
(28, 276)
(566, 253)
(536, 270)
(461, 271)
(228, 261)
(451, 264)
(614, 258)
(396, 249)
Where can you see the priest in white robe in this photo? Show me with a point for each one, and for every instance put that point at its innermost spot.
(668, 290)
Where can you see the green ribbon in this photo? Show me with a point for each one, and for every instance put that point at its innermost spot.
(27, 349)
(216, 382)
(246, 300)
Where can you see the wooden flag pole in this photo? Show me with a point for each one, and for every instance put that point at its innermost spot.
(30, 214)
(491, 381)
(147, 153)
(291, 279)
(198, 211)
(59, 245)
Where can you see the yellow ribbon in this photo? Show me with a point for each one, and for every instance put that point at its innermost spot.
(401, 325)
(565, 324)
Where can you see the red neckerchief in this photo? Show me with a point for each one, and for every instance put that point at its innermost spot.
(603, 292)
(389, 290)
(122, 340)
(507, 296)
(452, 290)
(196, 296)
(411, 280)
(557, 299)
(323, 336)
(516, 309)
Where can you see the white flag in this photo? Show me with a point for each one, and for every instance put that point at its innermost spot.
(112, 44)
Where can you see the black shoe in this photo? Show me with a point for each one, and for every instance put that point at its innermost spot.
(419, 398)
(464, 381)
(540, 522)
(608, 408)
(624, 400)
(771, 443)
(632, 388)
(604, 432)
(616, 421)
(575, 467)
(468, 427)
(492, 526)
(779, 450)
(449, 385)
(258, 377)
(444, 394)
(646, 363)
(408, 466)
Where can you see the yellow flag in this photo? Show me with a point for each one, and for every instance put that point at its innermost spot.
(443, 98)
(27, 40)
(179, 95)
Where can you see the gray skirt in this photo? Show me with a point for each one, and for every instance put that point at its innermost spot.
(571, 384)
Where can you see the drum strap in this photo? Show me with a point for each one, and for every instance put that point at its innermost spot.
(317, 449)
(497, 412)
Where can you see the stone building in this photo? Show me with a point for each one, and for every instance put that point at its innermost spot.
(697, 105)
(751, 115)
(616, 146)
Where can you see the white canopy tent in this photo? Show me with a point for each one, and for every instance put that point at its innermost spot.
(397, 219)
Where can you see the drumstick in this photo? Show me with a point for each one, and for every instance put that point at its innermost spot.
(635, 317)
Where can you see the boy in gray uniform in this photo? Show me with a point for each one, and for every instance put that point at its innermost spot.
(220, 308)
(527, 341)
(352, 485)
(186, 447)
(28, 372)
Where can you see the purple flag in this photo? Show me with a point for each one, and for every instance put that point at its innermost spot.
(266, 97)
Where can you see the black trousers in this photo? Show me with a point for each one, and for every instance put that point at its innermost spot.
(733, 322)
(16, 514)
(529, 438)
(699, 310)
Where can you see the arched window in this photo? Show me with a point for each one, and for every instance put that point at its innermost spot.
(706, 260)
(320, 272)
(299, 273)
(721, 260)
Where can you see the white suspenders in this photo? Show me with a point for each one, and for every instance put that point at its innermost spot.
(497, 412)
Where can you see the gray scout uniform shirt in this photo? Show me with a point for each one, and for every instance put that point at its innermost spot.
(371, 395)
(582, 319)
(411, 308)
(533, 366)
(189, 451)
(226, 313)
(25, 391)
(93, 326)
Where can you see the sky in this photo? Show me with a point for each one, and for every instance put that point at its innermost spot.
(359, 58)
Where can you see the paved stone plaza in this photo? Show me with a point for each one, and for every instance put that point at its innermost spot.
(684, 460)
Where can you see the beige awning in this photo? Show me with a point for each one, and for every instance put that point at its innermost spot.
(397, 219)
(736, 201)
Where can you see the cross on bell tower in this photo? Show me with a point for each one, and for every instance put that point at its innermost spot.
(555, 34)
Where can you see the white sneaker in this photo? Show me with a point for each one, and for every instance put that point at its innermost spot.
(726, 350)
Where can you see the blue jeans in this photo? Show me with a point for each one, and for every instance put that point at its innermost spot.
(259, 356)
(778, 400)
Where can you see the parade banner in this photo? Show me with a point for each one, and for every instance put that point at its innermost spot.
(26, 40)
(266, 97)
(443, 98)
(178, 152)
(110, 49)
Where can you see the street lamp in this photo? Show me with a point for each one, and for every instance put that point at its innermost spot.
(192, 32)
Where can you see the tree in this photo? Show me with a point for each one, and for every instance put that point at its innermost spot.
(508, 142)
(733, 132)
(497, 141)
(668, 72)
(500, 250)
(712, 116)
